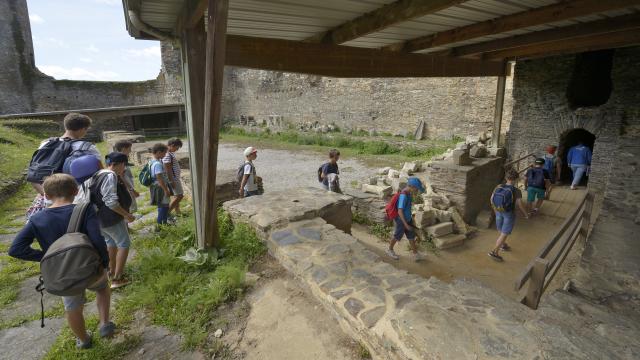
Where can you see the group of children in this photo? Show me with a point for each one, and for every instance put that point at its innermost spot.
(66, 171)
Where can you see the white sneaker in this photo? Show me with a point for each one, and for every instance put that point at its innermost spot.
(392, 254)
(418, 257)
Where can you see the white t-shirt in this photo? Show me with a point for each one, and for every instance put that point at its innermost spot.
(251, 184)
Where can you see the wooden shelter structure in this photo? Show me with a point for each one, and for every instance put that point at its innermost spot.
(361, 38)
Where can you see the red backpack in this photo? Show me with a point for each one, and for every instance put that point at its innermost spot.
(392, 207)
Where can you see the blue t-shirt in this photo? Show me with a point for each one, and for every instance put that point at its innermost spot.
(329, 168)
(404, 205)
(48, 226)
(579, 155)
(156, 169)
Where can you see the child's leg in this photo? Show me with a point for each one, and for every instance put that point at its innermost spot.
(502, 239)
(121, 259)
(414, 246)
(75, 319)
(163, 213)
(539, 203)
(103, 301)
(392, 244)
(175, 204)
(113, 251)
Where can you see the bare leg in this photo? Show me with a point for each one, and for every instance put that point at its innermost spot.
(539, 203)
(121, 259)
(175, 203)
(502, 239)
(76, 323)
(414, 246)
(112, 259)
(392, 244)
(103, 300)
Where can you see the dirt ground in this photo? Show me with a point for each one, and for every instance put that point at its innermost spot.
(279, 320)
(471, 261)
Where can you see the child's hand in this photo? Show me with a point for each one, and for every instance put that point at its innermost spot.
(131, 218)
(135, 193)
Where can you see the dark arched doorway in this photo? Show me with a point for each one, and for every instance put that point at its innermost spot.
(568, 139)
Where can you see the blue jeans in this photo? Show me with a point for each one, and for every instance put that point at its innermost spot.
(505, 221)
(250, 193)
(578, 172)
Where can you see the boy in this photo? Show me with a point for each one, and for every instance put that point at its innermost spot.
(330, 167)
(552, 163)
(249, 183)
(112, 198)
(537, 181)
(506, 215)
(124, 147)
(172, 169)
(404, 221)
(49, 225)
(579, 159)
(160, 194)
(75, 128)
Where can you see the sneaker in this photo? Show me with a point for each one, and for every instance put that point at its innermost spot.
(116, 284)
(107, 329)
(80, 345)
(418, 257)
(573, 187)
(505, 247)
(392, 254)
(495, 256)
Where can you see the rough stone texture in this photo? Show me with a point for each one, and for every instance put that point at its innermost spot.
(380, 191)
(29, 341)
(226, 185)
(367, 205)
(404, 316)
(468, 187)
(441, 229)
(478, 151)
(448, 106)
(449, 241)
(461, 157)
(423, 219)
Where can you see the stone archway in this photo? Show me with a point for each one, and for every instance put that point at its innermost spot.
(567, 140)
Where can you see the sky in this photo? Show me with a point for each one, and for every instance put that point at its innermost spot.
(88, 40)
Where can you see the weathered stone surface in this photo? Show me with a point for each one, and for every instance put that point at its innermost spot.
(442, 215)
(410, 167)
(285, 237)
(372, 180)
(380, 191)
(478, 151)
(398, 184)
(339, 294)
(372, 295)
(371, 317)
(401, 300)
(312, 234)
(449, 241)
(383, 171)
(393, 174)
(353, 306)
(459, 225)
(423, 219)
(497, 152)
(29, 341)
(441, 229)
(485, 219)
(461, 157)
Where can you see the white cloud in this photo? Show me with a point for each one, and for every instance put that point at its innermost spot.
(108, 2)
(92, 48)
(151, 51)
(35, 19)
(77, 73)
(86, 60)
(56, 42)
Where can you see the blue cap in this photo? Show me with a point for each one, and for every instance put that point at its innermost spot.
(416, 183)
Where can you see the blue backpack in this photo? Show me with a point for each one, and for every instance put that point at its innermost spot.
(502, 199)
(535, 178)
(550, 163)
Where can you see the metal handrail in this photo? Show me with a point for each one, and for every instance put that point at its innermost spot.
(541, 270)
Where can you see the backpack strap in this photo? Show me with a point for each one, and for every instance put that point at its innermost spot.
(77, 216)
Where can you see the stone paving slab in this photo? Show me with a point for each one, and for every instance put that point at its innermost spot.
(28, 301)
(29, 341)
(405, 316)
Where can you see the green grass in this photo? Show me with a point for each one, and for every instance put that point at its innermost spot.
(383, 231)
(16, 148)
(173, 293)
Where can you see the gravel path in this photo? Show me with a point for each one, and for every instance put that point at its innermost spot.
(282, 169)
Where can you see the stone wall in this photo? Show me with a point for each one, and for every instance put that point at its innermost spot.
(24, 88)
(449, 106)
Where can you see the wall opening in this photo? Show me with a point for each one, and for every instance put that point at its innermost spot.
(569, 139)
(590, 84)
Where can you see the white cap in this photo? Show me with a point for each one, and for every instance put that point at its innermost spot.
(250, 150)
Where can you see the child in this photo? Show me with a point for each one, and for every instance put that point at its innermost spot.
(172, 169)
(160, 194)
(49, 225)
(579, 159)
(124, 147)
(330, 167)
(404, 221)
(536, 182)
(504, 200)
(249, 182)
(110, 194)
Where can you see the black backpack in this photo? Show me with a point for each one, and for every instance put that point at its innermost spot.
(107, 216)
(535, 178)
(320, 172)
(49, 159)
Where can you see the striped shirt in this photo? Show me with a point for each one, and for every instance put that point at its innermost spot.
(170, 158)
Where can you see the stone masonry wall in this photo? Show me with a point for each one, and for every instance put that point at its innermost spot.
(449, 106)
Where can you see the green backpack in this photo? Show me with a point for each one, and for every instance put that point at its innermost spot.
(145, 177)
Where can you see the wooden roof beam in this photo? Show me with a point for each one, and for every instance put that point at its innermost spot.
(192, 12)
(379, 19)
(625, 22)
(538, 16)
(582, 44)
(344, 61)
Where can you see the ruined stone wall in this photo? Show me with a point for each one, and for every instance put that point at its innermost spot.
(449, 106)
(23, 88)
(541, 114)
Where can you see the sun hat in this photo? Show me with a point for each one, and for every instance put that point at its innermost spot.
(416, 183)
(250, 150)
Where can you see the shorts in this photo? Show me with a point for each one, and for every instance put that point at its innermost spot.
(505, 221)
(251, 193)
(158, 197)
(400, 230)
(117, 235)
(533, 192)
(73, 302)
(177, 190)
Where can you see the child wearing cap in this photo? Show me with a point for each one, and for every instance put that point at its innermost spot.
(404, 222)
(537, 180)
(172, 169)
(124, 147)
(249, 182)
(160, 193)
(111, 196)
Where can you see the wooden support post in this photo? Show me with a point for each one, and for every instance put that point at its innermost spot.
(214, 72)
(497, 115)
(586, 216)
(536, 283)
(193, 56)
